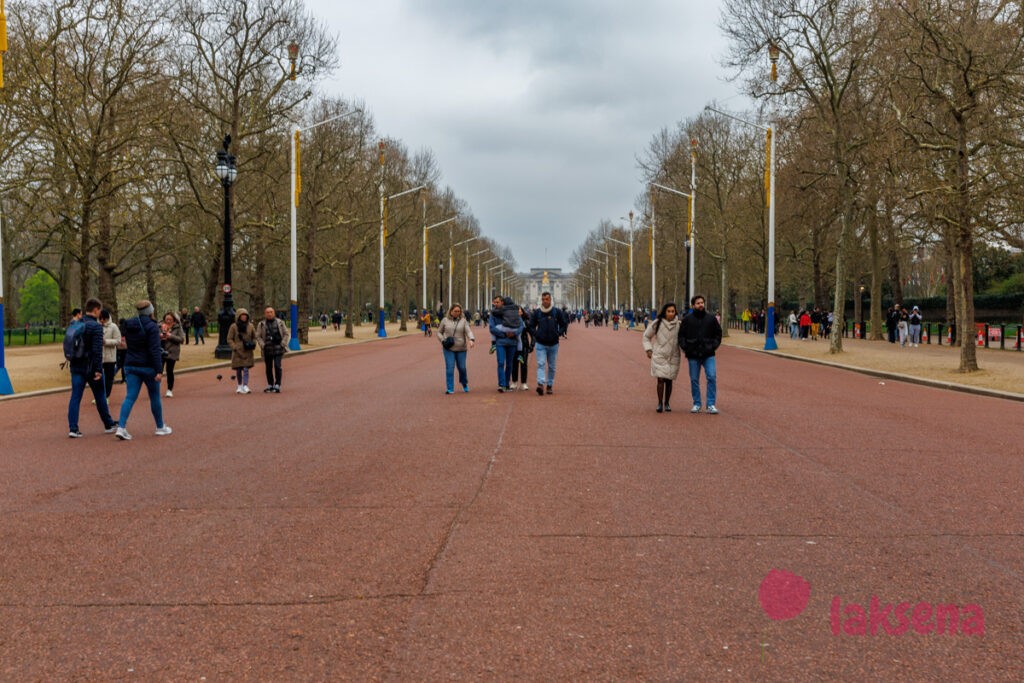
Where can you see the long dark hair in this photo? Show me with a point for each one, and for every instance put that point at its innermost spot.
(661, 315)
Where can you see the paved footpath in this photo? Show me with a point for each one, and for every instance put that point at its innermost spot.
(363, 526)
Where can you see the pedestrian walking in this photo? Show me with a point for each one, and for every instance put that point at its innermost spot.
(199, 325)
(83, 349)
(143, 364)
(661, 343)
(903, 327)
(111, 345)
(456, 338)
(272, 336)
(323, 321)
(548, 325)
(171, 338)
(504, 339)
(186, 323)
(914, 324)
(794, 326)
(242, 340)
(521, 363)
(700, 335)
(122, 351)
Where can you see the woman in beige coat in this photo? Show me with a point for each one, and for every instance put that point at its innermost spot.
(242, 340)
(661, 342)
(456, 327)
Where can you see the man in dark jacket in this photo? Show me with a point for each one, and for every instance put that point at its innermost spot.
(199, 325)
(143, 364)
(700, 335)
(548, 325)
(88, 370)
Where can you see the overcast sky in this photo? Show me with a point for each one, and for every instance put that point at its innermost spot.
(535, 109)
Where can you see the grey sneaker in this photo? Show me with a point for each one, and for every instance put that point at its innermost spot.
(123, 434)
(111, 429)
(163, 431)
(75, 434)
(712, 410)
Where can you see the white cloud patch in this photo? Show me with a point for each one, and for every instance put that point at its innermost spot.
(535, 109)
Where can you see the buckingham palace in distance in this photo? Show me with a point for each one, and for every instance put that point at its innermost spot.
(540, 280)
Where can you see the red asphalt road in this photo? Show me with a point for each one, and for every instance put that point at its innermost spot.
(363, 526)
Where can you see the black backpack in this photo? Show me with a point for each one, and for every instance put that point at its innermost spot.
(74, 341)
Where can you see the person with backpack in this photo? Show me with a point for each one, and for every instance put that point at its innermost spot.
(700, 335)
(143, 364)
(548, 325)
(661, 343)
(272, 336)
(456, 338)
(83, 349)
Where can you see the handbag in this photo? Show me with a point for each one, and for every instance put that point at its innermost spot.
(248, 345)
(448, 342)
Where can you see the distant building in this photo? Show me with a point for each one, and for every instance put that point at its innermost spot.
(540, 280)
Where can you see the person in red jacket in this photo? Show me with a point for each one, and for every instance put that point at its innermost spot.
(805, 325)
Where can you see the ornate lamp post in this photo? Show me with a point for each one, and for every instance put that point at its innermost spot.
(227, 172)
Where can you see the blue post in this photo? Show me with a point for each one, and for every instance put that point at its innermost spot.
(293, 343)
(5, 380)
(382, 332)
(769, 329)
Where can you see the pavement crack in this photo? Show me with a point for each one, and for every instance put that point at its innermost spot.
(459, 515)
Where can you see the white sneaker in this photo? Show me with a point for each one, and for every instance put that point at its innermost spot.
(169, 394)
(239, 390)
(524, 387)
(245, 389)
(695, 408)
(515, 386)
(163, 431)
(712, 410)
(123, 434)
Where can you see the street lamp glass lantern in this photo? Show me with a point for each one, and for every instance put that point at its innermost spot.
(221, 169)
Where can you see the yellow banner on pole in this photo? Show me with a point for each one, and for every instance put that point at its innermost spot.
(298, 169)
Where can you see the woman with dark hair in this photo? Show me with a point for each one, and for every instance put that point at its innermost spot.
(172, 336)
(520, 363)
(661, 342)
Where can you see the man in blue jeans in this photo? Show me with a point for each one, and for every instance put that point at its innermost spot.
(143, 364)
(88, 371)
(700, 335)
(548, 325)
(505, 342)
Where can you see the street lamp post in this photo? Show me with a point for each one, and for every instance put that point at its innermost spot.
(481, 304)
(769, 329)
(293, 341)
(490, 280)
(227, 171)
(601, 305)
(426, 228)
(440, 283)
(468, 257)
(384, 199)
(689, 240)
(6, 389)
(607, 276)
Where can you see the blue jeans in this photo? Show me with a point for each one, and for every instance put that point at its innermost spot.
(135, 377)
(79, 380)
(451, 359)
(200, 334)
(794, 331)
(506, 356)
(709, 373)
(547, 358)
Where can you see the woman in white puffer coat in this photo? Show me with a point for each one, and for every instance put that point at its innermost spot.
(661, 342)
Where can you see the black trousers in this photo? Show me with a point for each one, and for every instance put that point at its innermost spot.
(519, 370)
(273, 366)
(109, 371)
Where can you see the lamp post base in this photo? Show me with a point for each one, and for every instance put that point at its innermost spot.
(381, 331)
(769, 330)
(225, 318)
(293, 343)
(5, 383)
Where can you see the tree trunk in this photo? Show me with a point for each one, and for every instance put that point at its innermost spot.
(876, 281)
(213, 279)
(964, 282)
(350, 305)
